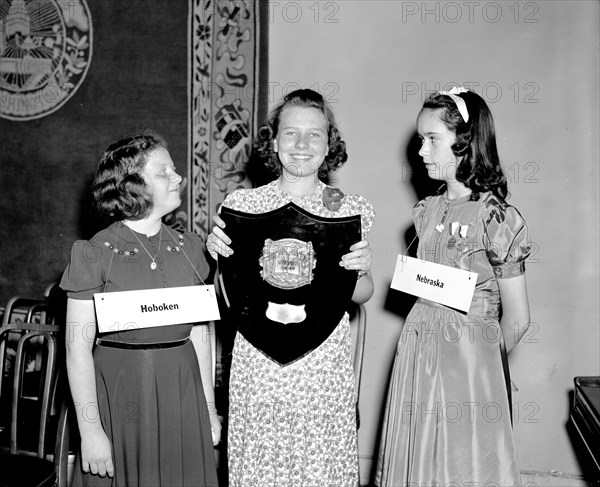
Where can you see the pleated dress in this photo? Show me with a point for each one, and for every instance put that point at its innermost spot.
(448, 415)
(294, 425)
(150, 401)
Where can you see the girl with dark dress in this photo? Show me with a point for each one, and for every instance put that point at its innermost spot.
(143, 397)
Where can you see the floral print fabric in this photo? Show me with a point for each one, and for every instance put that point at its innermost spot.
(295, 425)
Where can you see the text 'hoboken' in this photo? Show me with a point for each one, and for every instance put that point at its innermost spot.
(162, 307)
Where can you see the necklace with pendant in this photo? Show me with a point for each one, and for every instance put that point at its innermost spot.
(153, 266)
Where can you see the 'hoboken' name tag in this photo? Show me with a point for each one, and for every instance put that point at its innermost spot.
(440, 283)
(129, 310)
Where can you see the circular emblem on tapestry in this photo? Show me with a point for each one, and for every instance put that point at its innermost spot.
(45, 53)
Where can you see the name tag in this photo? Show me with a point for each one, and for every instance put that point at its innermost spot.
(129, 310)
(440, 283)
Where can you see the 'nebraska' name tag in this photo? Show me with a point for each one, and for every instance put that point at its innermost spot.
(129, 310)
(440, 283)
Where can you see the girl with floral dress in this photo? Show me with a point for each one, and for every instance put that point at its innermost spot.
(295, 425)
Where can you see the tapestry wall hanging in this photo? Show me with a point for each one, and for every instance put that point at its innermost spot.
(223, 84)
(45, 54)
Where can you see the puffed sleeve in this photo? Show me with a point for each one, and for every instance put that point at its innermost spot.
(418, 212)
(198, 256)
(84, 275)
(507, 241)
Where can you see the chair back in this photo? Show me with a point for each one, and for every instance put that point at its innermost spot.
(34, 424)
(29, 382)
(26, 309)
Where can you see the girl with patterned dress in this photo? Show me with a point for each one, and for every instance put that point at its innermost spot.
(143, 397)
(295, 425)
(448, 414)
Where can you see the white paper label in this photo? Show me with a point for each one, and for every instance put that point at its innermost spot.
(440, 283)
(129, 310)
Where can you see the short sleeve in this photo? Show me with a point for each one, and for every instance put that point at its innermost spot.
(228, 202)
(240, 200)
(198, 256)
(507, 241)
(83, 276)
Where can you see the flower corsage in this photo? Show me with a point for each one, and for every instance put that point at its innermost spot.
(332, 198)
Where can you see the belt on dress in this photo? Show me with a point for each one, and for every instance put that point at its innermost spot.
(140, 346)
(485, 304)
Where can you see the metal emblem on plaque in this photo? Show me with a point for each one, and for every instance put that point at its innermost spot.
(287, 263)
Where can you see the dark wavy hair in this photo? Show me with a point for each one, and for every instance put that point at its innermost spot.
(118, 191)
(263, 154)
(480, 168)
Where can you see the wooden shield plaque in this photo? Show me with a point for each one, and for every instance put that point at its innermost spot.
(285, 287)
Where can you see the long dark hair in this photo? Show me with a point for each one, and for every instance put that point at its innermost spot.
(266, 158)
(118, 190)
(480, 169)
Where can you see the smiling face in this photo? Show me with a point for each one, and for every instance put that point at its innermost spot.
(162, 182)
(301, 142)
(436, 146)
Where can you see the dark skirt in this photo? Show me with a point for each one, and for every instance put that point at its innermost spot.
(153, 409)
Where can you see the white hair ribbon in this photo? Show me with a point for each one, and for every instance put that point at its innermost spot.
(458, 101)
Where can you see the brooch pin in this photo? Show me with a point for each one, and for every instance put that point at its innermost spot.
(177, 248)
(116, 250)
(458, 241)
